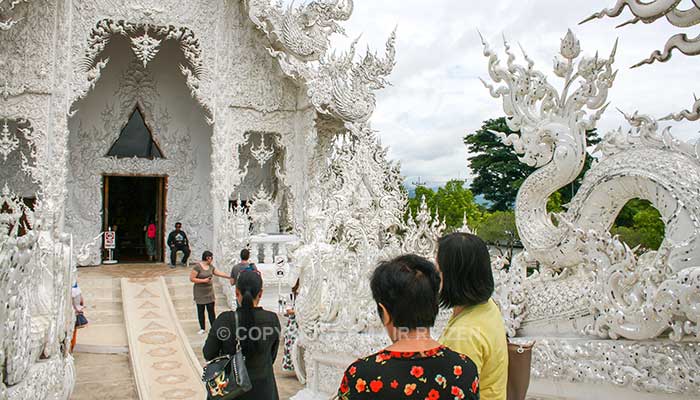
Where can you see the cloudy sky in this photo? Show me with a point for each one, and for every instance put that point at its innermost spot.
(436, 96)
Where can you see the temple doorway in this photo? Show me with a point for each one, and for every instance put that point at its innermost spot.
(130, 204)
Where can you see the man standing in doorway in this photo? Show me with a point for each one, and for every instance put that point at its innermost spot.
(177, 241)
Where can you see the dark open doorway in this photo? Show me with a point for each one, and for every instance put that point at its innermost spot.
(130, 204)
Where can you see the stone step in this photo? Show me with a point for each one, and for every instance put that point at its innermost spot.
(105, 317)
(103, 376)
(100, 293)
(102, 305)
(102, 338)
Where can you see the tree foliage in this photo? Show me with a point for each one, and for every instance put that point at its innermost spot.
(452, 201)
(498, 173)
(498, 228)
(639, 224)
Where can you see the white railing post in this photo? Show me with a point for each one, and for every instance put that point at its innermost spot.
(268, 256)
(254, 251)
(282, 249)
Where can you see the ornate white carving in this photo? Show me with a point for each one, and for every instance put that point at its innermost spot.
(37, 323)
(302, 32)
(8, 141)
(465, 228)
(236, 228)
(47, 69)
(261, 154)
(552, 128)
(145, 47)
(423, 232)
(88, 163)
(510, 293)
(690, 115)
(6, 19)
(590, 283)
(662, 367)
(648, 12)
(337, 85)
(262, 209)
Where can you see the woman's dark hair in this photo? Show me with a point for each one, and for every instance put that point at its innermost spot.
(408, 286)
(467, 278)
(206, 255)
(245, 254)
(250, 284)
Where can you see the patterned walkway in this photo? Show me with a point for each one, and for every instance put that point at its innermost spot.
(164, 365)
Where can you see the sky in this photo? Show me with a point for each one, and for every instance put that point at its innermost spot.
(436, 96)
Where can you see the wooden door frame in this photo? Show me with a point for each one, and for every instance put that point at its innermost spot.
(161, 207)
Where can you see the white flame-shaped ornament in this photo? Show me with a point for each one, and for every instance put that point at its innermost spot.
(8, 142)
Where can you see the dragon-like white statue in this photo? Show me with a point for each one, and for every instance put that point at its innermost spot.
(651, 11)
(636, 298)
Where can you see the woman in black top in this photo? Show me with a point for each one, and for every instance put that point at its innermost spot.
(259, 332)
(415, 366)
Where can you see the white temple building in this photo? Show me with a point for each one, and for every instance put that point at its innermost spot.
(234, 118)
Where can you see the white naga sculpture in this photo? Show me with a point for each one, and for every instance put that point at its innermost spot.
(591, 286)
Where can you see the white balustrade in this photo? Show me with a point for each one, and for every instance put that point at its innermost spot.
(272, 245)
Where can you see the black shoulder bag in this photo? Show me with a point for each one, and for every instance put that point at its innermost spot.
(226, 377)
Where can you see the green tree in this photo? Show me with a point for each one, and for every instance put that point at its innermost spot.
(639, 224)
(498, 172)
(452, 202)
(498, 228)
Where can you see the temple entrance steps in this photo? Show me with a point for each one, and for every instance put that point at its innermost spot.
(105, 332)
(102, 342)
(112, 375)
(162, 359)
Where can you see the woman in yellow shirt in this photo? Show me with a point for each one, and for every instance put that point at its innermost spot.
(476, 327)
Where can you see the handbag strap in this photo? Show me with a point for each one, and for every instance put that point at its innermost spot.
(235, 332)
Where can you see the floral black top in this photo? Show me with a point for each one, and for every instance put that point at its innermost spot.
(434, 374)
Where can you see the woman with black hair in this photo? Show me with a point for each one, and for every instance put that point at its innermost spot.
(259, 333)
(415, 366)
(476, 327)
(203, 290)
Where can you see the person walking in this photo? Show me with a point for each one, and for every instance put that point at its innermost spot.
(150, 238)
(258, 331)
(202, 275)
(291, 331)
(406, 291)
(245, 264)
(78, 304)
(476, 327)
(177, 241)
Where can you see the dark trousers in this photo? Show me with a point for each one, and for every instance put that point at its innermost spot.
(185, 253)
(200, 314)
